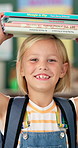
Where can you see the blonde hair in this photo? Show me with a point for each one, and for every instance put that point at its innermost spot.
(28, 42)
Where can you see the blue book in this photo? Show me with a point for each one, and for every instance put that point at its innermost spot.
(42, 15)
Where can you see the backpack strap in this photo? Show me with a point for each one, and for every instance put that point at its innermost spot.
(7, 119)
(15, 120)
(68, 110)
(18, 108)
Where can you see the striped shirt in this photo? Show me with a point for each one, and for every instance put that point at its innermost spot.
(41, 119)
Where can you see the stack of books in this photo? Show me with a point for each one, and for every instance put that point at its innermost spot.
(21, 24)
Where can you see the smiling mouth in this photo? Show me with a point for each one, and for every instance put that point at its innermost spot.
(42, 77)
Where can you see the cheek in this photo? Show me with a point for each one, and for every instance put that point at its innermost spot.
(28, 68)
(56, 69)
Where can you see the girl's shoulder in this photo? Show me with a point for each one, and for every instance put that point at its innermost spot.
(76, 104)
(4, 100)
(75, 101)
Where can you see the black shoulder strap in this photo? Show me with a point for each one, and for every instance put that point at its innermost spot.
(69, 112)
(16, 116)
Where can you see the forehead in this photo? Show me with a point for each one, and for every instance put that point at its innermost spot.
(43, 46)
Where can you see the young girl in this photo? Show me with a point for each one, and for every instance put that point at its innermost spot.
(43, 69)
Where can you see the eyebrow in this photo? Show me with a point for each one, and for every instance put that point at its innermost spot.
(33, 55)
(37, 54)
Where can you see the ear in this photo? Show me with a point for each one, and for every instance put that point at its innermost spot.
(19, 68)
(64, 70)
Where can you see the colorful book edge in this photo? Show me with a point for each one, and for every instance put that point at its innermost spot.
(42, 15)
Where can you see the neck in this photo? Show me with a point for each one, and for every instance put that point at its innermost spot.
(41, 99)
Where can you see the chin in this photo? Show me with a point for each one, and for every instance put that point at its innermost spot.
(43, 89)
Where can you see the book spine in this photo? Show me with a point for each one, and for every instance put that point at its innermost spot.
(39, 30)
(41, 15)
(42, 25)
(10, 20)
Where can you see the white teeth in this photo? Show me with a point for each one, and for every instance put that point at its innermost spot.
(42, 77)
(47, 77)
(37, 77)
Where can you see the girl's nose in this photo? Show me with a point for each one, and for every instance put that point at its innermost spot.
(43, 66)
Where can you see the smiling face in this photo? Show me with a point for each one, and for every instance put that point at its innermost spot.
(42, 66)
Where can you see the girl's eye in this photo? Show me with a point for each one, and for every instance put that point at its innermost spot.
(51, 60)
(34, 59)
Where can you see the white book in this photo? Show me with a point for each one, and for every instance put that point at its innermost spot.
(61, 33)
